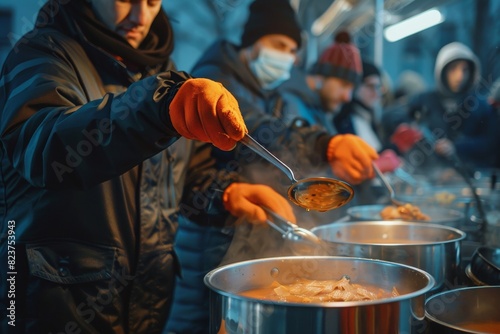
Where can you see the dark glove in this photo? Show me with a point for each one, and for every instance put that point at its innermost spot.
(204, 110)
(388, 161)
(246, 200)
(351, 158)
(405, 136)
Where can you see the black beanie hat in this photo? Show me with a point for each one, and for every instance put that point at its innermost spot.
(370, 69)
(270, 17)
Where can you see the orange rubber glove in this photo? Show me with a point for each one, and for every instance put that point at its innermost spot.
(388, 161)
(405, 136)
(246, 200)
(204, 110)
(350, 158)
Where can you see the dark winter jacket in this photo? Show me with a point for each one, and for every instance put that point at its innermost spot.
(88, 186)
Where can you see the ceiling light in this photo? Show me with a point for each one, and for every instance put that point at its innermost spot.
(413, 25)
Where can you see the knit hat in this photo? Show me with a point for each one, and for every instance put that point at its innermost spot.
(369, 69)
(269, 17)
(340, 60)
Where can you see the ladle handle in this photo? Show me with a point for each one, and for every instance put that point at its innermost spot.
(387, 184)
(279, 223)
(252, 144)
(289, 230)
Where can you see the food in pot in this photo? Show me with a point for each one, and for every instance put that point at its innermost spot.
(319, 291)
(482, 327)
(444, 198)
(404, 212)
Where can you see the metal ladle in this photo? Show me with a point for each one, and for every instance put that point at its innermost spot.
(314, 193)
(302, 241)
(387, 184)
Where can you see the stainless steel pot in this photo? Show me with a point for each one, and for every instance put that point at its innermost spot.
(450, 311)
(438, 215)
(232, 313)
(430, 247)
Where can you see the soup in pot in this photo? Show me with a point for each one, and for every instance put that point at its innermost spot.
(483, 327)
(319, 291)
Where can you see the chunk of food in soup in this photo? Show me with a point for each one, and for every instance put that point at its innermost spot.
(404, 212)
(319, 291)
(444, 198)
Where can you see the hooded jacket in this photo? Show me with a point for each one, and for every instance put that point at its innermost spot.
(88, 185)
(463, 117)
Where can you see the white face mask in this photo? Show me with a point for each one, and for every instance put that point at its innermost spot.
(272, 67)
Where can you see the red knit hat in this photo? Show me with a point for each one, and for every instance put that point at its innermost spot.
(340, 60)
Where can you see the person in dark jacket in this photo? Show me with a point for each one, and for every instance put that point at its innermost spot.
(253, 71)
(90, 177)
(359, 116)
(457, 127)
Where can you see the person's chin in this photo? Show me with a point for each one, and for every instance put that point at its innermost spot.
(133, 38)
(133, 42)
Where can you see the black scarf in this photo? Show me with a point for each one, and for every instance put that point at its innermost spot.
(154, 50)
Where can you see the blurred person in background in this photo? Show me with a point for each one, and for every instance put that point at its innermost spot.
(328, 103)
(359, 117)
(450, 126)
(316, 95)
(90, 177)
(253, 71)
(409, 84)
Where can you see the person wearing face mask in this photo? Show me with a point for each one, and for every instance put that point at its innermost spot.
(253, 71)
(450, 126)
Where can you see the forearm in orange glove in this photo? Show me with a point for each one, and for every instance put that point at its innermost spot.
(246, 200)
(351, 158)
(204, 110)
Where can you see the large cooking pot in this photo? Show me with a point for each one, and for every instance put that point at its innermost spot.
(437, 215)
(465, 310)
(230, 312)
(430, 247)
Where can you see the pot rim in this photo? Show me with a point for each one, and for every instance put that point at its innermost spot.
(448, 325)
(430, 283)
(461, 235)
(482, 252)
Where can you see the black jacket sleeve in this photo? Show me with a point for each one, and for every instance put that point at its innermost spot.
(55, 137)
